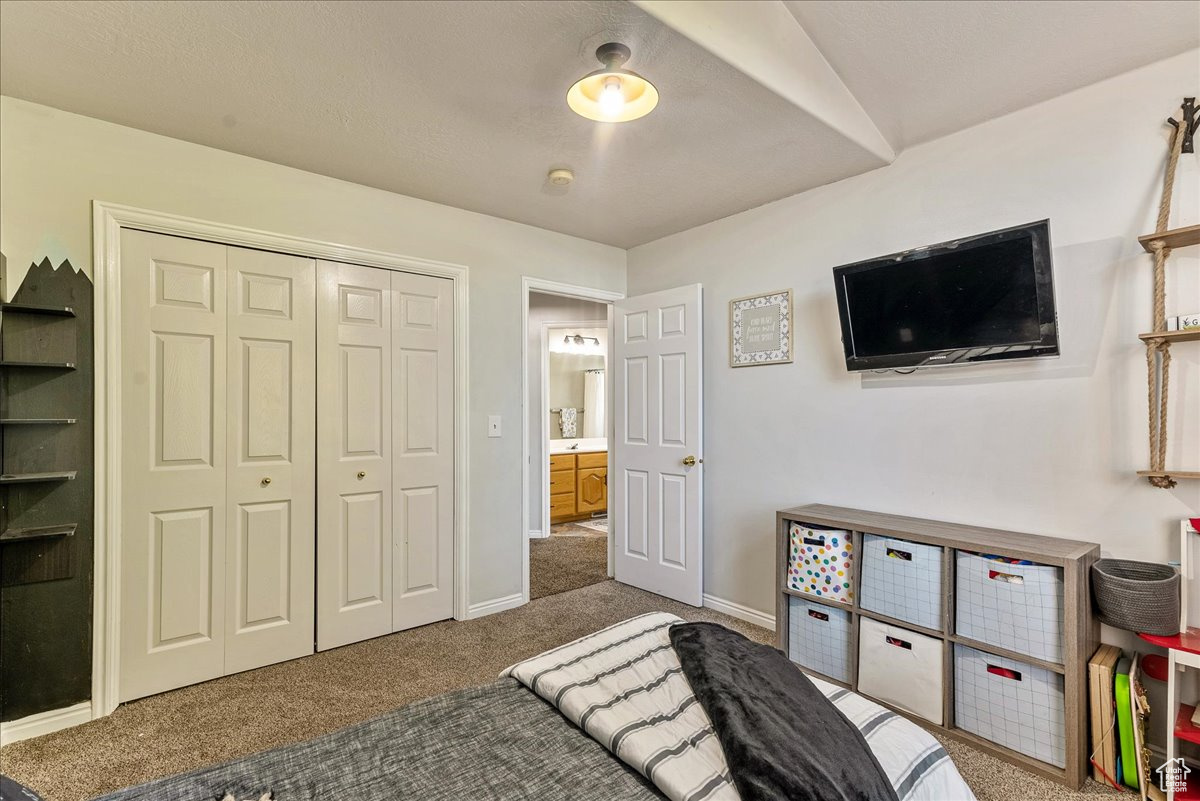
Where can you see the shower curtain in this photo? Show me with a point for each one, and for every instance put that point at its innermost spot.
(593, 403)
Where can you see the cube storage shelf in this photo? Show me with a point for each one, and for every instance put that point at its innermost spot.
(921, 595)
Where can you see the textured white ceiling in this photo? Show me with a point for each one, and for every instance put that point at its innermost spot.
(463, 102)
(460, 103)
(926, 68)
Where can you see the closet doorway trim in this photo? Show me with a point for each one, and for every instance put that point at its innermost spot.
(107, 221)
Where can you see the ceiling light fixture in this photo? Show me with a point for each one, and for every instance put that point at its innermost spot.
(612, 94)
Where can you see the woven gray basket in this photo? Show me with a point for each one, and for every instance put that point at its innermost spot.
(1138, 596)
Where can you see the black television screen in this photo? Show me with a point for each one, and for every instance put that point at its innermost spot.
(981, 298)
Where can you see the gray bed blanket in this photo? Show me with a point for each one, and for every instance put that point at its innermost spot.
(782, 738)
(497, 742)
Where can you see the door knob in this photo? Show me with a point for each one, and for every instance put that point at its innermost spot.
(362, 474)
(691, 461)
(266, 480)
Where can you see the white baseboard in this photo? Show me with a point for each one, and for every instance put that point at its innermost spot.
(740, 612)
(495, 605)
(45, 722)
(537, 535)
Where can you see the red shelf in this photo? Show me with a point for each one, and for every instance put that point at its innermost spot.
(1184, 728)
(1183, 641)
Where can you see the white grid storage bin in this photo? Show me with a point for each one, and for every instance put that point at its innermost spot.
(819, 638)
(902, 579)
(1010, 703)
(1018, 607)
(821, 562)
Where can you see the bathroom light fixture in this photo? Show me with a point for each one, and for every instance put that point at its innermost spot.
(612, 94)
(579, 344)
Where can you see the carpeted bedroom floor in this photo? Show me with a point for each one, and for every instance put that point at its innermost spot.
(573, 556)
(281, 704)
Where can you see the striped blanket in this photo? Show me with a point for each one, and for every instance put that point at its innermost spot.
(625, 687)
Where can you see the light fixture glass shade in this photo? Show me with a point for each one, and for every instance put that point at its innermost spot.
(612, 94)
(584, 342)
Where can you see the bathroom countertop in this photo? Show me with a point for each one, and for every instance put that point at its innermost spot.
(594, 445)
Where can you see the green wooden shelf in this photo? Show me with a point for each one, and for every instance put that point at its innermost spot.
(37, 532)
(35, 308)
(47, 365)
(37, 478)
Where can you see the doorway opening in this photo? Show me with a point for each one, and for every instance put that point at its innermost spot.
(567, 431)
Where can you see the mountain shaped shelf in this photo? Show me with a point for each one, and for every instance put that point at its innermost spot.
(36, 478)
(37, 532)
(51, 365)
(36, 308)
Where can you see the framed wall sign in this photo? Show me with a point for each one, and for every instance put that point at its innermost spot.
(760, 329)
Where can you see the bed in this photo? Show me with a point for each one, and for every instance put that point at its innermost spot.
(650, 708)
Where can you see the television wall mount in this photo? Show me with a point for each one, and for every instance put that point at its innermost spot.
(1191, 116)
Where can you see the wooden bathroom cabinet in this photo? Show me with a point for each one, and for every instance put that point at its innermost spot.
(578, 485)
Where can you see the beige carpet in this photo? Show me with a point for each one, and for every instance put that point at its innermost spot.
(281, 704)
(566, 561)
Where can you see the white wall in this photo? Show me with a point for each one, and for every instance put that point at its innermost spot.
(54, 164)
(545, 308)
(1048, 447)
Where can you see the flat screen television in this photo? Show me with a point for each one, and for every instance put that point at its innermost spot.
(978, 299)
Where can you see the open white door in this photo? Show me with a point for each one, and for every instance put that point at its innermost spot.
(658, 479)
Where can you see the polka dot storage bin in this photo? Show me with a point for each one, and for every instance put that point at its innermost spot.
(821, 561)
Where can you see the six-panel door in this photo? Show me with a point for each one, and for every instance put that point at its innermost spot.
(385, 478)
(218, 463)
(221, 566)
(658, 427)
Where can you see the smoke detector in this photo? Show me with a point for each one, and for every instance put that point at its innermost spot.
(561, 177)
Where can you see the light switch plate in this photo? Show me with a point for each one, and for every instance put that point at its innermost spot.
(493, 425)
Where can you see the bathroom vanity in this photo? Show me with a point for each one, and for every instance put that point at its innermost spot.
(578, 480)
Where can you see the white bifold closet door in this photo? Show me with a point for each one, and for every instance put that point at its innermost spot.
(385, 454)
(218, 464)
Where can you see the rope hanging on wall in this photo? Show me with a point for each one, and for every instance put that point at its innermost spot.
(1158, 350)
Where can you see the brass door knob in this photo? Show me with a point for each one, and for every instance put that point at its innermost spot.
(691, 461)
(266, 480)
(362, 474)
